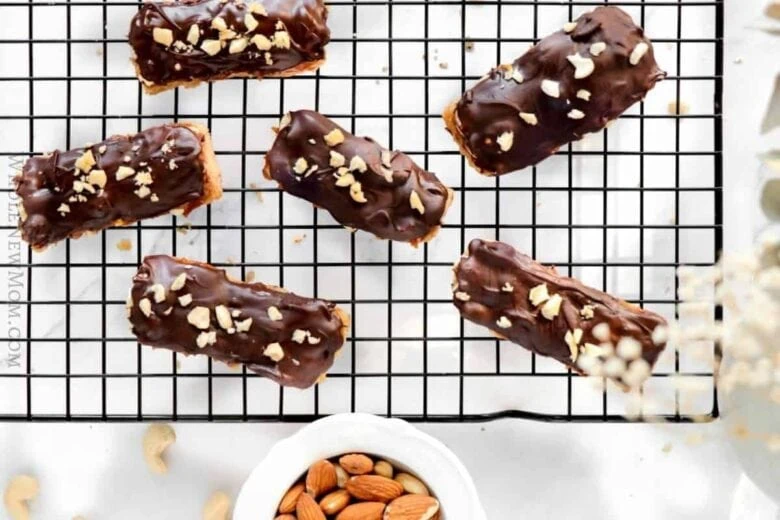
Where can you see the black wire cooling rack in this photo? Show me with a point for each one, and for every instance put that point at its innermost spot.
(621, 210)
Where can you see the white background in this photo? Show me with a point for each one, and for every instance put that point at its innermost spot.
(522, 469)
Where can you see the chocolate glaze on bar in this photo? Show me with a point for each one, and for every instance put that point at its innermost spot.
(387, 211)
(181, 61)
(492, 107)
(322, 325)
(59, 201)
(493, 280)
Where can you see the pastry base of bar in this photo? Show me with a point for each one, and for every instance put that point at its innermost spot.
(212, 183)
(414, 243)
(156, 88)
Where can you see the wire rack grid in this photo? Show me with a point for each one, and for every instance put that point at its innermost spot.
(620, 210)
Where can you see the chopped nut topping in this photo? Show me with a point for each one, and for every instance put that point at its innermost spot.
(538, 295)
(639, 51)
(172, 165)
(154, 198)
(219, 24)
(583, 67)
(462, 296)
(569, 26)
(162, 36)
(250, 22)
(345, 180)
(629, 348)
(243, 326)
(200, 317)
(257, 8)
(313, 340)
(146, 306)
(587, 312)
(300, 166)
(205, 339)
(98, 178)
(268, 59)
(583, 94)
(512, 73)
(168, 311)
(597, 48)
(159, 292)
(601, 332)
(63, 209)
(387, 158)
(142, 192)
(238, 45)
(336, 159)
(575, 114)
(504, 322)
(262, 43)
(193, 35)
(86, 161)
(529, 118)
(223, 317)
(357, 163)
(178, 282)
(551, 88)
(185, 300)
(356, 192)
(416, 202)
(235, 313)
(274, 351)
(387, 173)
(102, 148)
(281, 39)
(552, 307)
(299, 336)
(211, 47)
(334, 137)
(274, 314)
(505, 141)
(508, 287)
(573, 339)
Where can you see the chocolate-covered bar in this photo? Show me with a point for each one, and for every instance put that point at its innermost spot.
(194, 308)
(167, 168)
(363, 185)
(569, 84)
(183, 42)
(552, 315)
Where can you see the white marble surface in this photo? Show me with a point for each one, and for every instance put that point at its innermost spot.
(522, 469)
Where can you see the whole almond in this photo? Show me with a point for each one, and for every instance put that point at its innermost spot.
(308, 509)
(374, 488)
(321, 478)
(384, 468)
(341, 476)
(412, 507)
(362, 511)
(287, 505)
(335, 502)
(412, 484)
(356, 464)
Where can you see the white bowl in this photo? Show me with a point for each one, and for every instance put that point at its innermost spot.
(391, 439)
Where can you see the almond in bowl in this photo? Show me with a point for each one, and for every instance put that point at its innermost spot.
(356, 486)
